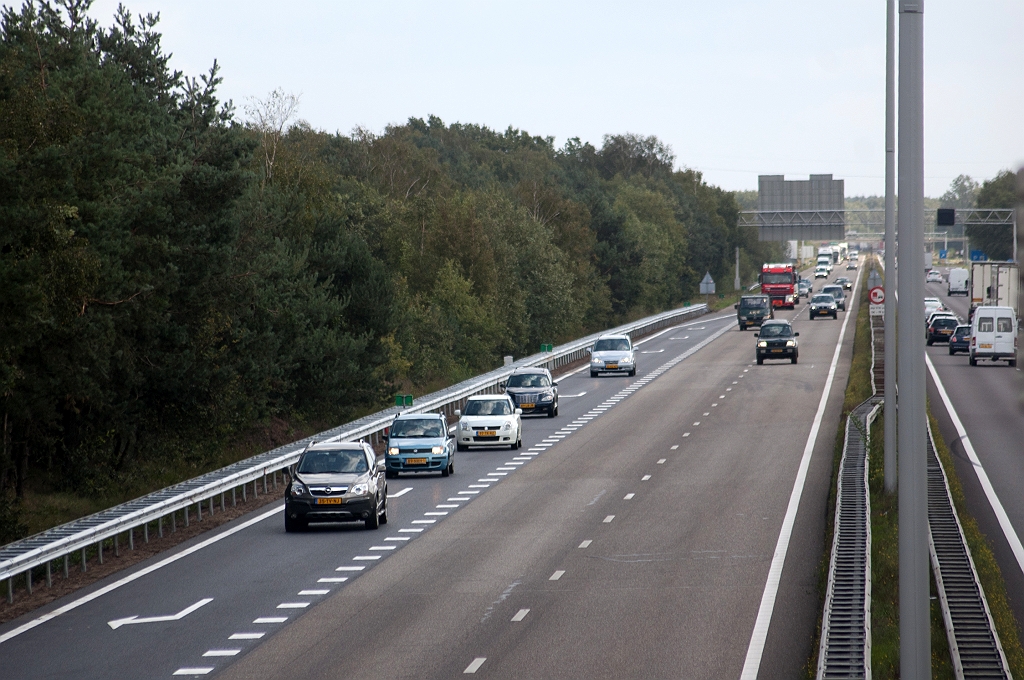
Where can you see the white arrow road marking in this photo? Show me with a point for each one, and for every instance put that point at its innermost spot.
(117, 623)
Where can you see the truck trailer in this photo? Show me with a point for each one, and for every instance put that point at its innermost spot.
(994, 284)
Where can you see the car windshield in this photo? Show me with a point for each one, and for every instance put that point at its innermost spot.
(834, 291)
(823, 299)
(335, 461)
(754, 303)
(528, 380)
(421, 427)
(612, 345)
(776, 330)
(488, 407)
(776, 278)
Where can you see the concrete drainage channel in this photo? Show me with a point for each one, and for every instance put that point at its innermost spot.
(845, 647)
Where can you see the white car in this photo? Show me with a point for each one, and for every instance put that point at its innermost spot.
(489, 420)
(821, 272)
(933, 276)
(612, 354)
(932, 305)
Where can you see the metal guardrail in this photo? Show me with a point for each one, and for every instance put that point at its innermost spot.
(22, 556)
(973, 642)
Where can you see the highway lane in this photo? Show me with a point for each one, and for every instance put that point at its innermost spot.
(637, 548)
(250, 573)
(987, 399)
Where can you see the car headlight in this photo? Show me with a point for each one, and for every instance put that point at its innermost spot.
(790, 343)
(762, 343)
(393, 451)
(507, 427)
(436, 449)
(298, 489)
(359, 489)
(595, 360)
(831, 306)
(546, 397)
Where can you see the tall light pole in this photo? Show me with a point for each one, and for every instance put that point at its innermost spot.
(890, 247)
(915, 639)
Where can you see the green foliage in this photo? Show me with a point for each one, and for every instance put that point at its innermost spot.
(998, 192)
(170, 277)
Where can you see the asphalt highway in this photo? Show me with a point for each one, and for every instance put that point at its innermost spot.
(632, 537)
(987, 399)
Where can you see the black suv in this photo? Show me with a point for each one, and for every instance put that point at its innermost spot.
(533, 390)
(776, 340)
(753, 310)
(336, 482)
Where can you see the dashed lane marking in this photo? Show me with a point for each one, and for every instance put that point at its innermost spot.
(609, 518)
(628, 497)
(271, 619)
(475, 665)
(585, 544)
(293, 605)
(645, 478)
(332, 579)
(193, 671)
(246, 636)
(320, 591)
(521, 614)
(675, 446)
(359, 568)
(557, 575)
(661, 461)
(222, 652)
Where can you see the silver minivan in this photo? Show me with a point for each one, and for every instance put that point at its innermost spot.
(993, 335)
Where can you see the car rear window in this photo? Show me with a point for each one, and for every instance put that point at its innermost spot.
(985, 324)
(944, 323)
(1004, 324)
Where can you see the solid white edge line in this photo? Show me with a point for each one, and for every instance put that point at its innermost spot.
(755, 650)
(986, 484)
(137, 575)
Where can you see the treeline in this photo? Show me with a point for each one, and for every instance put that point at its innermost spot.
(171, 276)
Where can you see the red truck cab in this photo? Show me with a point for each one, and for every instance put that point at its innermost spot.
(779, 282)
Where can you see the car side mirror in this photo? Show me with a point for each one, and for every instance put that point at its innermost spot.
(736, 306)
(502, 385)
(458, 413)
(381, 465)
(554, 383)
(757, 335)
(590, 350)
(519, 411)
(387, 431)
(796, 334)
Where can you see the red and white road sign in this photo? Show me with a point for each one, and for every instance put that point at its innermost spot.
(876, 295)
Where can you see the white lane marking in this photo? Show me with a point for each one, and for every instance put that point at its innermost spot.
(755, 650)
(714, 405)
(455, 499)
(435, 514)
(423, 521)
(506, 469)
(609, 518)
(495, 474)
(515, 463)
(557, 575)
(293, 605)
(571, 396)
(475, 665)
(193, 671)
(398, 538)
(366, 558)
(358, 568)
(986, 484)
(468, 492)
(721, 396)
(332, 579)
(661, 461)
(271, 619)
(246, 636)
(117, 623)
(675, 446)
(686, 434)
(480, 486)
(696, 423)
(222, 652)
(408, 531)
(645, 478)
(448, 505)
(383, 547)
(319, 591)
(519, 458)
(654, 351)
(137, 575)
(707, 414)
(521, 614)
(400, 493)
(628, 497)
(585, 544)
(728, 389)
(734, 383)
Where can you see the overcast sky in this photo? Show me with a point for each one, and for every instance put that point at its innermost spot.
(737, 88)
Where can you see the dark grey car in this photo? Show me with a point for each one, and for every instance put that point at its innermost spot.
(336, 482)
(836, 291)
(533, 390)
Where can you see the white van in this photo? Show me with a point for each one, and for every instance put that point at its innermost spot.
(957, 282)
(993, 335)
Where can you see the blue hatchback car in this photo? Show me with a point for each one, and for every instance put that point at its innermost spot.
(960, 341)
(419, 442)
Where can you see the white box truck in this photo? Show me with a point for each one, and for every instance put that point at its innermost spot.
(958, 282)
(994, 284)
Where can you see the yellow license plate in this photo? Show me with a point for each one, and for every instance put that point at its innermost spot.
(611, 365)
(776, 350)
(416, 461)
(986, 345)
(487, 433)
(329, 501)
(527, 405)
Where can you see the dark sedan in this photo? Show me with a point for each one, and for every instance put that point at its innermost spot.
(776, 340)
(336, 482)
(941, 329)
(960, 340)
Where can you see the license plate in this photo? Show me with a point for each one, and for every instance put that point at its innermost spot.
(986, 345)
(486, 433)
(776, 350)
(945, 332)
(416, 461)
(611, 365)
(329, 501)
(527, 405)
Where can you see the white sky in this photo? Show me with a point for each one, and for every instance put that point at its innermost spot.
(737, 88)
